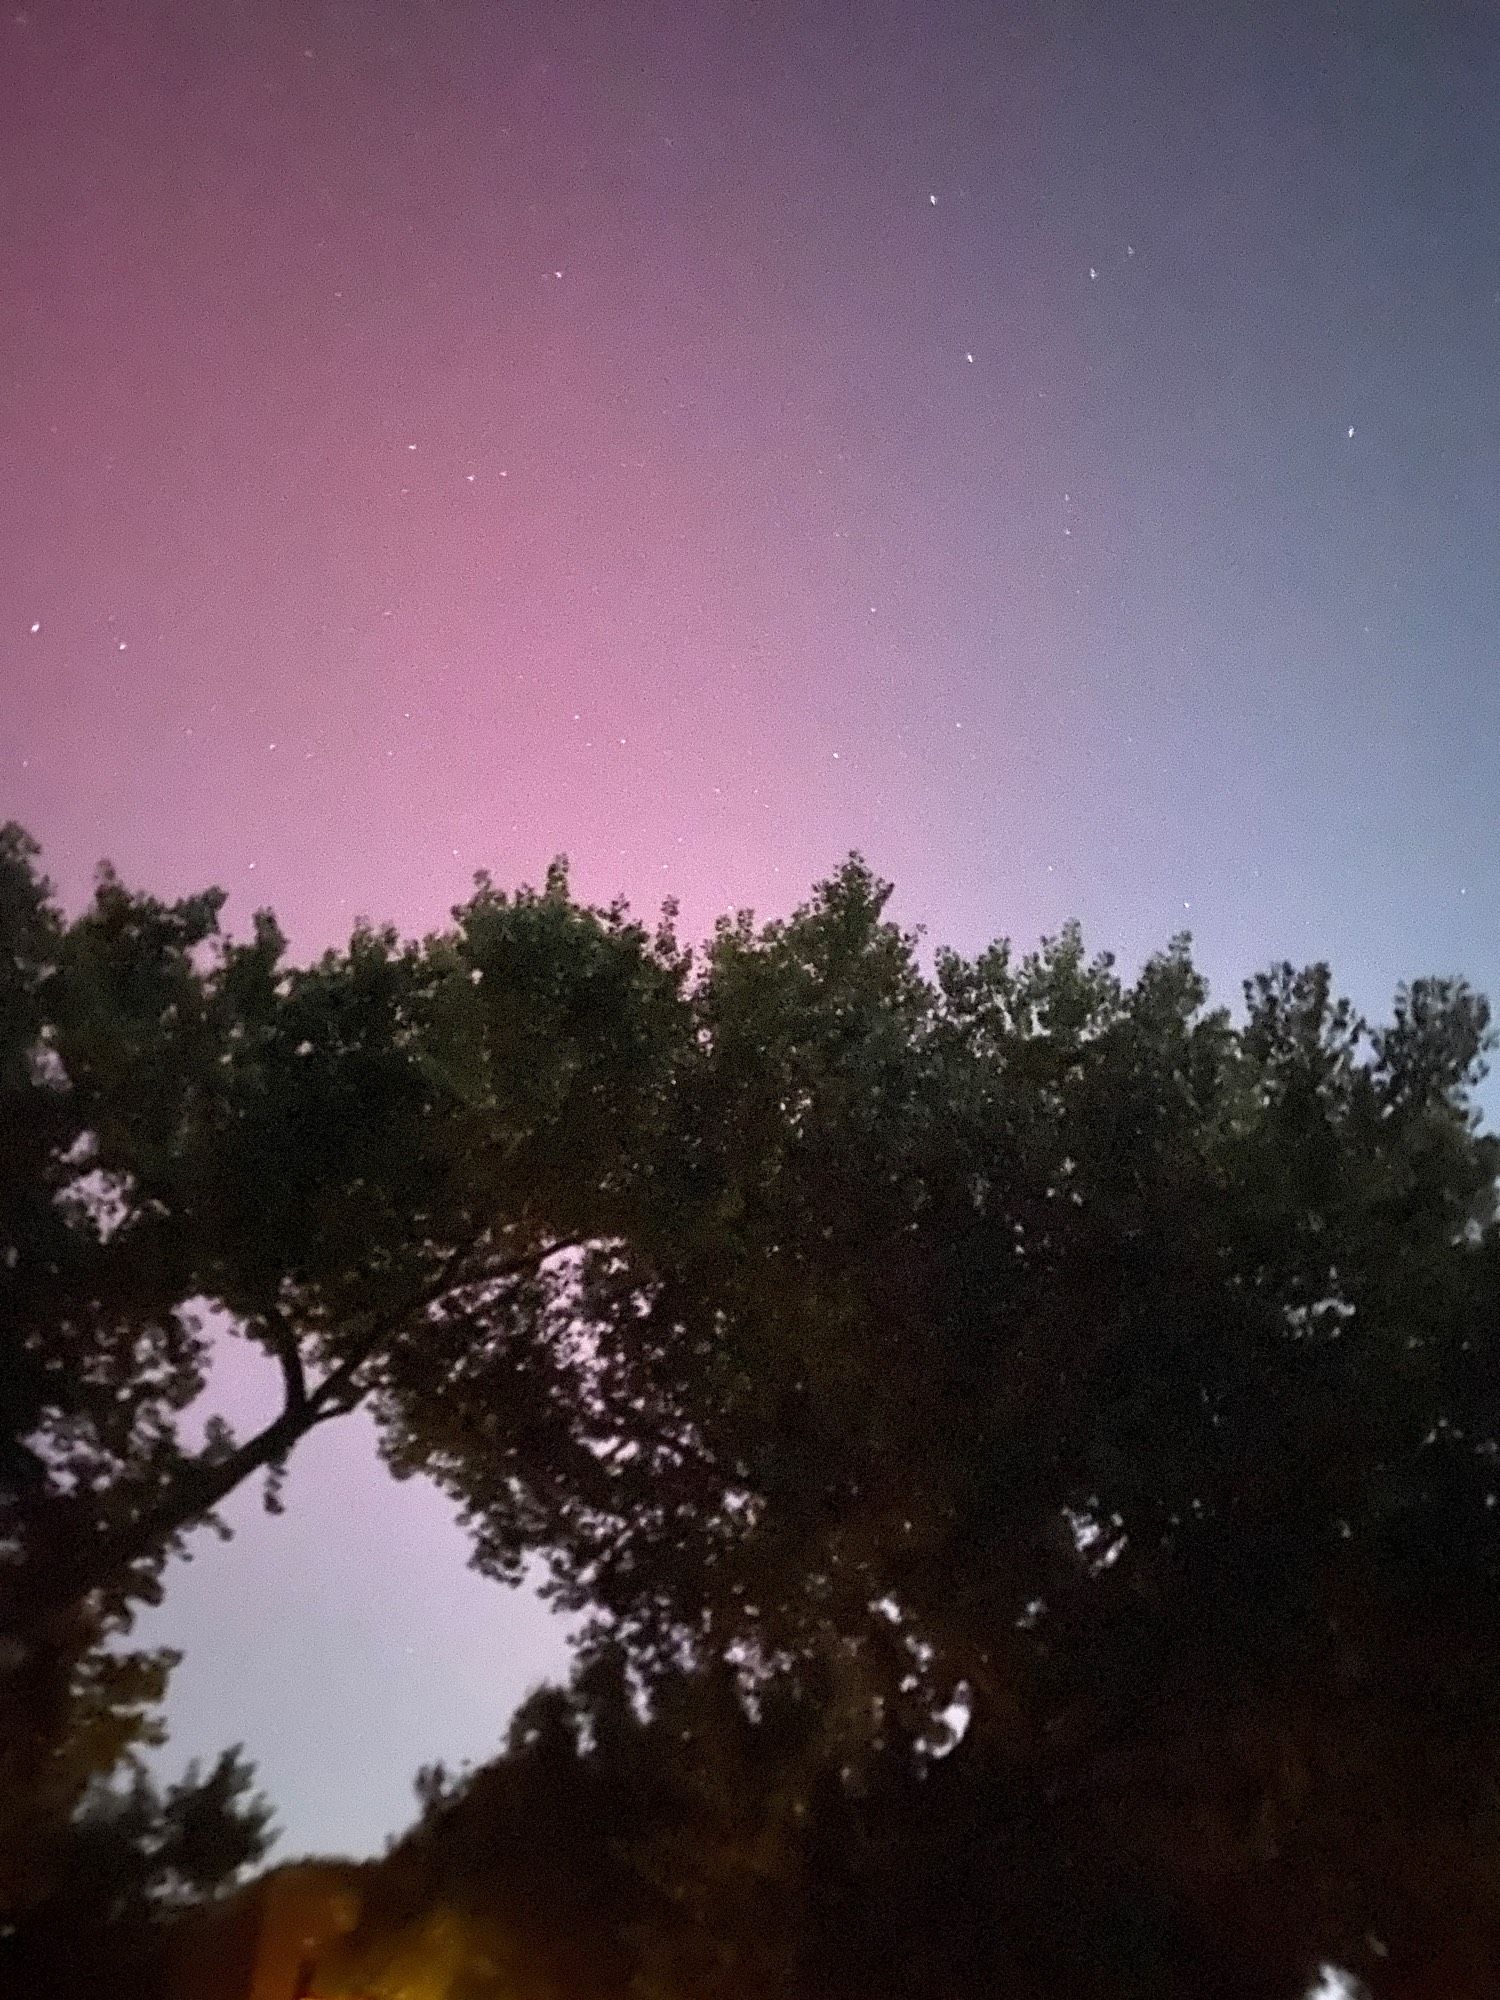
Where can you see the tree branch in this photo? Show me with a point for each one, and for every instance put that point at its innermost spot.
(283, 1343)
(80, 1559)
(331, 1396)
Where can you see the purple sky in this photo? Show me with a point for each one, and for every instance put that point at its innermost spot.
(1050, 446)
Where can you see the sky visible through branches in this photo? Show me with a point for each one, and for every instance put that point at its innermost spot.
(1050, 447)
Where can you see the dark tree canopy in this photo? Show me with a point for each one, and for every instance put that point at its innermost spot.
(135, 1859)
(1004, 1348)
(330, 1157)
(1026, 1341)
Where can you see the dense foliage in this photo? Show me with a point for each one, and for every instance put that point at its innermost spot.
(133, 1860)
(1003, 1349)
(1021, 1345)
(323, 1156)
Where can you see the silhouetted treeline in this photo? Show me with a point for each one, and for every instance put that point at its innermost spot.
(868, 1349)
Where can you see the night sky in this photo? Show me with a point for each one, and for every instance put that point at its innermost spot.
(1053, 448)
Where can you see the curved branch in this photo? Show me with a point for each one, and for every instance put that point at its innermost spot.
(283, 1344)
(79, 1559)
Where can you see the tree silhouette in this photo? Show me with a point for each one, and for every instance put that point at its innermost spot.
(133, 1859)
(879, 1354)
(342, 1158)
(1018, 1339)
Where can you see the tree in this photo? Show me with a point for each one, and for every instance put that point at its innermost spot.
(1018, 1338)
(1007, 1343)
(577, 1862)
(133, 1859)
(96, 1357)
(514, 1879)
(718, 1847)
(337, 1158)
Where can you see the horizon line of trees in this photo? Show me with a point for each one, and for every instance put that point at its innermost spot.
(863, 1348)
